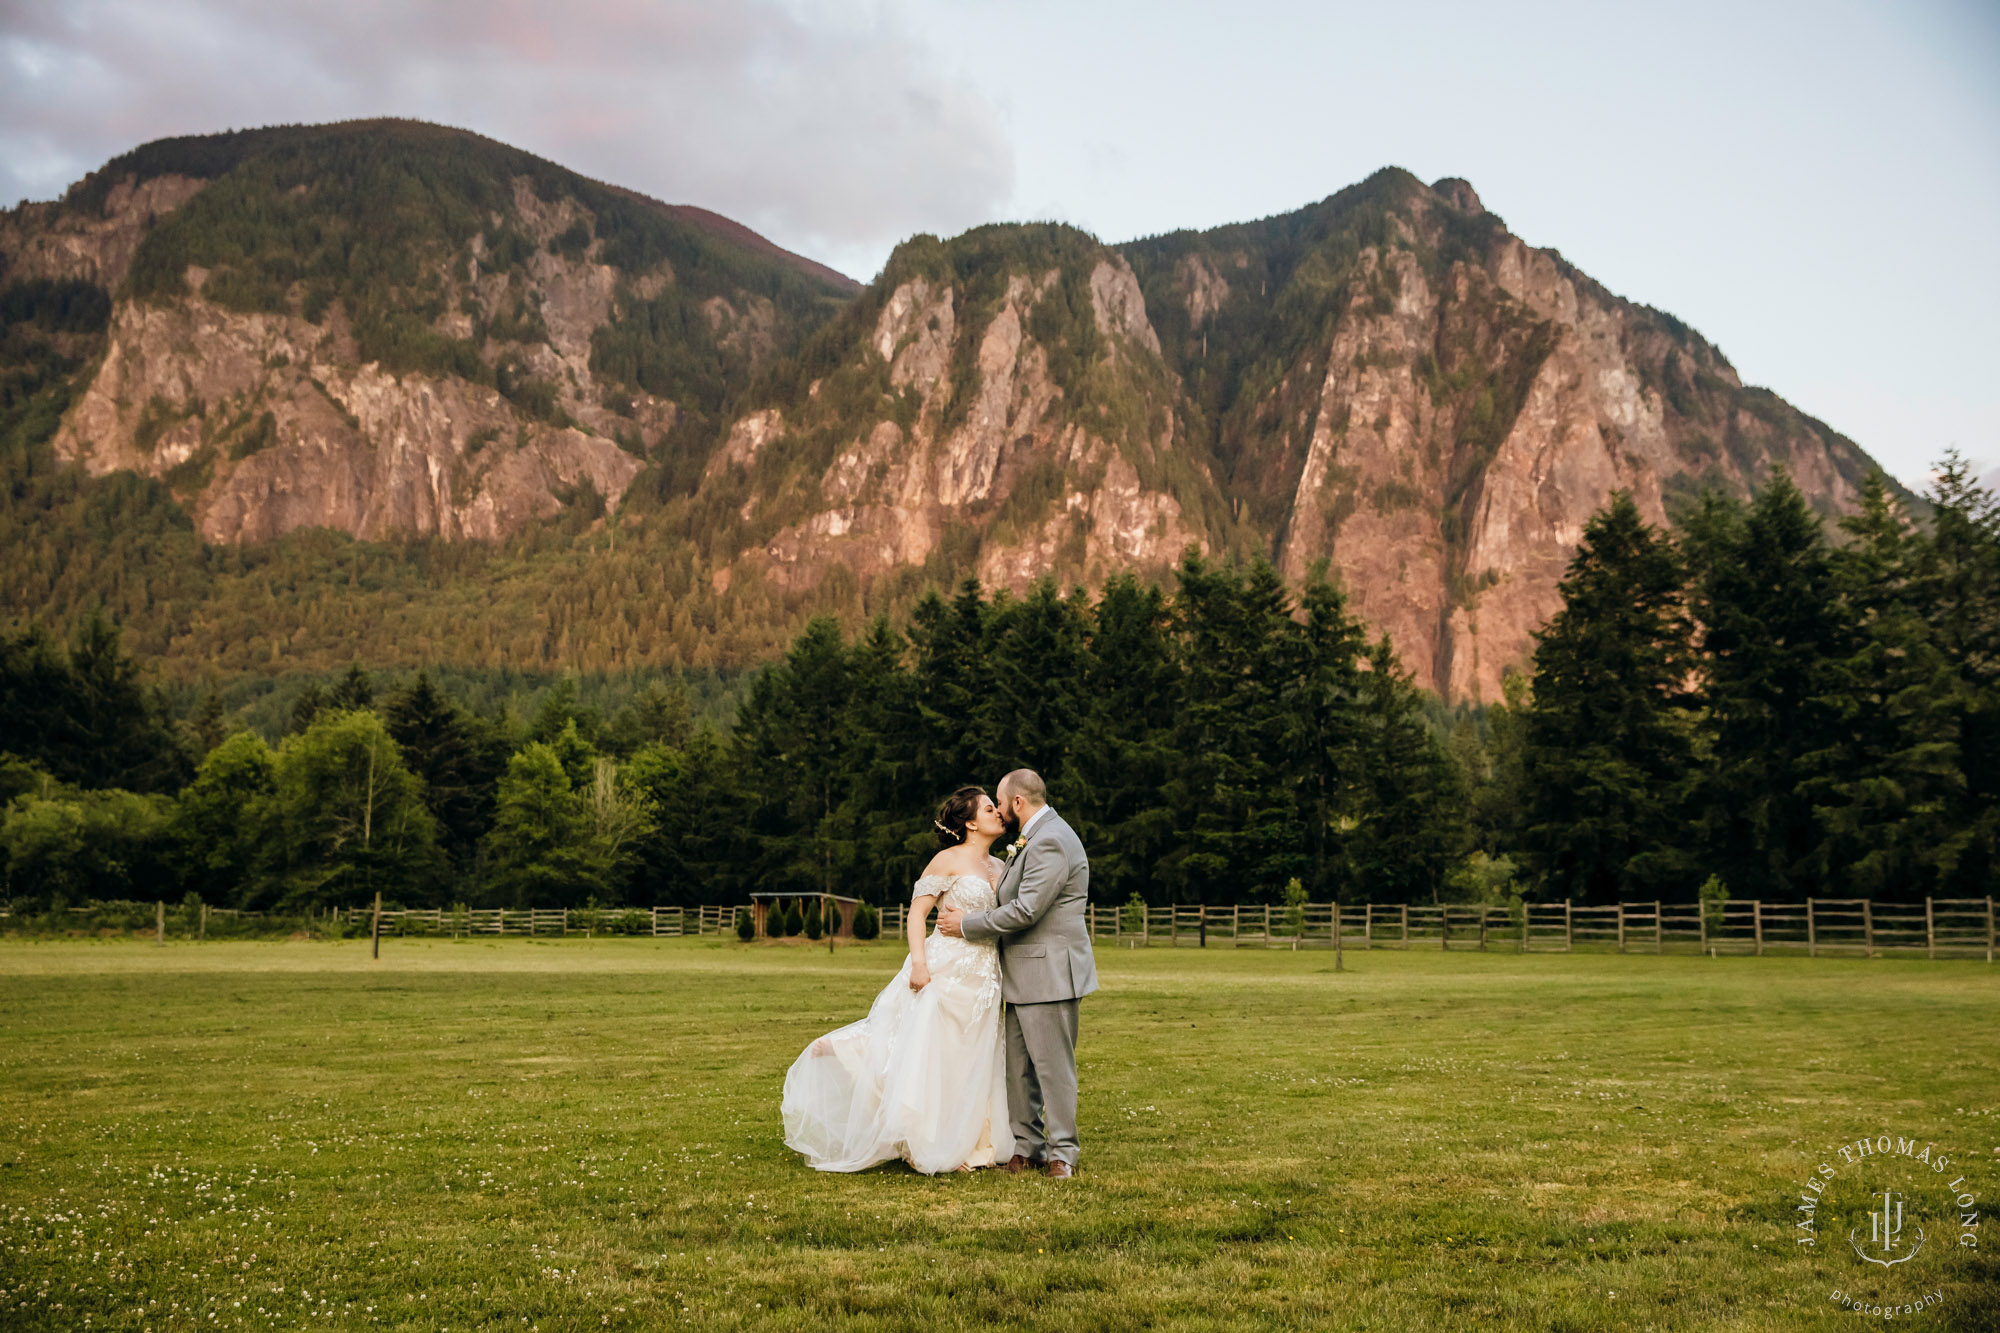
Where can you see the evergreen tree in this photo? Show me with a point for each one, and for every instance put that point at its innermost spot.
(1410, 829)
(952, 689)
(1327, 735)
(1958, 587)
(354, 692)
(1608, 751)
(1235, 799)
(1886, 786)
(1771, 624)
(441, 746)
(657, 715)
(1036, 663)
(207, 727)
(793, 767)
(561, 711)
(84, 715)
(1123, 756)
(311, 701)
(886, 809)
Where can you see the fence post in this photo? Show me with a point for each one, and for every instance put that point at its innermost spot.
(1235, 924)
(1621, 926)
(1569, 933)
(1406, 925)
(1444, 928)
(1930, 931)
(1812, 932)
(1701, 924)
(1989, 928)
(1482, 929)
(160, 922)
(1757, 923)
(1338, 961)
(1659, 928)
(1368, 925)
(375, 931)
(1868, 924)
(204, 921)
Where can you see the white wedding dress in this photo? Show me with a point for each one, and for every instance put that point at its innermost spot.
(923, 1077)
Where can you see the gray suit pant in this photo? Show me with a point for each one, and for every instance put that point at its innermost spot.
(1041, 1079)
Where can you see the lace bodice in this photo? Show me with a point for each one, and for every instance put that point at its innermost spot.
(968, 893)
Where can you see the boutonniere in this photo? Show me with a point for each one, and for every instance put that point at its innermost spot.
(1014, 848)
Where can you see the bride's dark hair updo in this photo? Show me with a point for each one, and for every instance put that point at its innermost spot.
(958, 811)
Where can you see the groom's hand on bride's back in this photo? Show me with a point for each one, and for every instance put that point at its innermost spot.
(948, 922)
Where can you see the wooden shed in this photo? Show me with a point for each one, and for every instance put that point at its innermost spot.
(762, 902)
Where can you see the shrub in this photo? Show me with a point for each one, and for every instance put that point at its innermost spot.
(746, 928)
(867, 922)
(774, 921)
(795, 920)
(1714, 895)
(1295, 907)
(812, 921)
(1135, 914)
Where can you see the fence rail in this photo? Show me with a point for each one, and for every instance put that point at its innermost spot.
(1834, 927)
(445, 921)
(1935, 927)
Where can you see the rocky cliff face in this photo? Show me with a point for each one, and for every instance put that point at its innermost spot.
(966, 427)
(1387, 381)
(1436, 408)
(266, 413)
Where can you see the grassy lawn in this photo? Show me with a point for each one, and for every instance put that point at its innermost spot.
(571, 1135)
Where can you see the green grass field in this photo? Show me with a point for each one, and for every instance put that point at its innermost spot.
(584, 1135)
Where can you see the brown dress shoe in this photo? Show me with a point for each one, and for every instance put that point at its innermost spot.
(1014, 1164)
(1060, 1170)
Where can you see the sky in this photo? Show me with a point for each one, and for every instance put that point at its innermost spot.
(1814, 186)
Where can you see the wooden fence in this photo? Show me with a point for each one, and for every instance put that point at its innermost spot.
(1935, 927)
(450, 922)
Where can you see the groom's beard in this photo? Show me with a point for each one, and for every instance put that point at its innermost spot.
(1011, 825)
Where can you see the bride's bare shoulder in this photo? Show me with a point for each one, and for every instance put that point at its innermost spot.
(941, 864)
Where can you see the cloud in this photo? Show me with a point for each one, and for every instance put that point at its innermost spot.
(831, 130)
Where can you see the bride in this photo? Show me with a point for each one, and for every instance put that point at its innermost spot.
(923, 1077)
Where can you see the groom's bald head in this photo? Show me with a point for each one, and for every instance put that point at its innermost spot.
(1025, 783)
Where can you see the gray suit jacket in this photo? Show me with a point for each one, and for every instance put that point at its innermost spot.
(1041, 924)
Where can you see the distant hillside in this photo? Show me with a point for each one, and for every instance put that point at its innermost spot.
(395, 329)
(389, 390)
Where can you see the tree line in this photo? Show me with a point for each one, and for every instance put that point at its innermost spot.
(1215, 744)
(1746, 702)
(1743, 703)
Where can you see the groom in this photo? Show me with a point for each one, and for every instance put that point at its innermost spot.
(1045, 968)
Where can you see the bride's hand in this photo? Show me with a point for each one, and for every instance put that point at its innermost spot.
(920, 977)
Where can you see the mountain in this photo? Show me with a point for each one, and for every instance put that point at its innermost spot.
(1388, 381)
(566, 425)
(395, 329)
